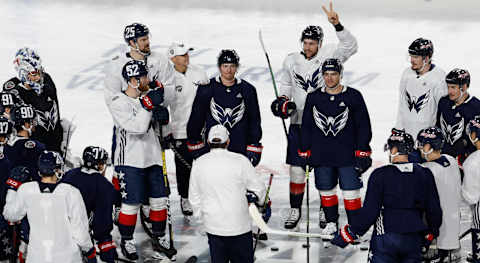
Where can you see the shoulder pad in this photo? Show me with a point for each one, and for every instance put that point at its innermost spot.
(30, 144)
(404, 167)
(116, 57)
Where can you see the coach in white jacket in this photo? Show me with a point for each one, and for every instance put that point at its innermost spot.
(218, 184)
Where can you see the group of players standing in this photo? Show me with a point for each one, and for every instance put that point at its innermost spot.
(160, 103)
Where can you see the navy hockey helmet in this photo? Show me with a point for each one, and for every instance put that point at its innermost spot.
(49, 162)
(134, 31)
(228, 56)
(458, 76)
(94, 156)
(421, 47)
(473, 126)
(312, 32)
(6, 126)
(432, 136)
(332, 64)
(23, 114)
(134, 69)
(400, 139)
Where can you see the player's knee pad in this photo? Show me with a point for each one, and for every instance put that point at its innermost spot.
(158, 209)
(297, 175)
(352, 199)
(328, 197)
(128, 214)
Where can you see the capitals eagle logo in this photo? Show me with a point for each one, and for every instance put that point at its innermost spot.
(417, 103)
(306, 83)
(329, 124)
(228, 117)
(48, 119)
(452, 132)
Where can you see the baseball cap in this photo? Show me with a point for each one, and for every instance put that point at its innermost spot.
(218, 134)
(178, 49)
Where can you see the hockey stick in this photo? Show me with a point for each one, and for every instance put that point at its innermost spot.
(260, 37)
(307, 176)
(191, 259)
(265, 203)
(67, 143)
(180, 157)
(468, 231)
(258, 220)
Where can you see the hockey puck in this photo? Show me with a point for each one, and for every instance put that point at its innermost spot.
(305, 245)
(274, 248)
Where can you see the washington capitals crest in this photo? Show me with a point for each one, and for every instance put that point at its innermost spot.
(452, 132)
(417, 103)
(307, 82)
(48, 119)
(228, 117)
(329, 124)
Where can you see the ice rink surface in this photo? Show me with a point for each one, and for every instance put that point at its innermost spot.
(76, 40)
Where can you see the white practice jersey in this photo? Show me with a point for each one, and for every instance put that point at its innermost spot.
(218, 184)
(159, 68)
(448, 181)
(303, 76)
(137, 143)
(418, 99)
(471, 179)
(58, 222)
(186, 89)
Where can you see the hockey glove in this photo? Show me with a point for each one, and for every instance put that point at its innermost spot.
(152, 99)
(252, 198)
(254, 153)
(363, 161)
(427, 241)
(18, 176)
(197, 148)
(154, 84)
(108, 251)
(90, 256)
(167, 142)
(266, 211)
(343, 237)
(304, 156)
(160, 115)
(282, 107)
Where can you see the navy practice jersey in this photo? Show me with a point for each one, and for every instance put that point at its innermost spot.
(234, 107)
(98, 195)
(397, 198)
(22, 151)
(49, 130)
(5, 167)
(334, 127)
(453, 120)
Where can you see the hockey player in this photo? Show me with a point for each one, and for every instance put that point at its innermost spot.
(8, 101)
(304, 76)
(137, 157)
(447, 179)
(6, 250)
(187, 79)
(471, 184)
(229, 101)
(34, 86)
(22, 150)
(421, 87)
(58, 221)
(336, 132)
(454, 112)
(98, 195)
(398, 196)
(218, 184)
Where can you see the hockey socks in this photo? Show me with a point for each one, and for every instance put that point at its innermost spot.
(126, 224)
(296, 194)
(330, 207)
(352, 207)
(159, 221)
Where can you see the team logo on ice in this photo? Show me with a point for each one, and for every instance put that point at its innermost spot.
(328, 124)
(48, 119)
(452, 132)
(305, 83)
(417, 103)
(227, 116)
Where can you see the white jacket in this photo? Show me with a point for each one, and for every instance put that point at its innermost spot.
(58, 222)
(186, 89)
(471, 180)
(218, 184)
(303, 76)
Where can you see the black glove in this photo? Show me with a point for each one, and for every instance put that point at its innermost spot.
(282, 107)
(154, 84)
(168, 142)
(90, 256)
(160, 114)
(108, 251)
(266, 211)
(197, 148)
(18, 176)
(152, 99)
(363, 161)
(254, 153)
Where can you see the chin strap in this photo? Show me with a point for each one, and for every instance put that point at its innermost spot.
(423, 66)
(136, 48)
(426, 153)
(29, 130)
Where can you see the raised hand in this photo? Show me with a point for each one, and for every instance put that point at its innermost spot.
(331, 14)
